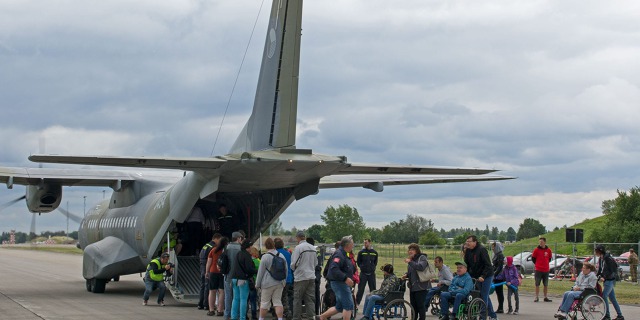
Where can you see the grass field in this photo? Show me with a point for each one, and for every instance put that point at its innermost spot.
(68, 249)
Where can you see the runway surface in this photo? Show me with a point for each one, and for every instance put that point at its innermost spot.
(44, 285)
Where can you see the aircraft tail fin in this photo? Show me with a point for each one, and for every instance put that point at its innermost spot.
(272, 123)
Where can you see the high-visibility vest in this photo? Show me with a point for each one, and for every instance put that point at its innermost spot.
(172, 243)
(155, 276)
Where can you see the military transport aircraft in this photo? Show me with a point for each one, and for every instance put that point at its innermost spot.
(263, 173)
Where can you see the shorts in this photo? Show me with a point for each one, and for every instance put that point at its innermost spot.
(216, 281)
(539, 275)
(344, 298)
(270, 295)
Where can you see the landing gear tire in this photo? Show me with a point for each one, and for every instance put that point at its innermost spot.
(116, 278)
(96, 285)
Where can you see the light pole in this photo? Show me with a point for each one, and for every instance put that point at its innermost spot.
(84, 208)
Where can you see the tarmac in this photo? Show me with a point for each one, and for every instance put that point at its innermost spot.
(45, 285)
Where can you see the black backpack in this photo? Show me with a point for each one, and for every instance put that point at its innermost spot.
(223, 263)
(277, 270)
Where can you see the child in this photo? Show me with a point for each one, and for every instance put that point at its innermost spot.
(512, 278)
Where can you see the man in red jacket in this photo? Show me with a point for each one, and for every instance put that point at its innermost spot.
(541, 257)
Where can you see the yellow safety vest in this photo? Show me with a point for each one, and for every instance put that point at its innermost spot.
(155, 276)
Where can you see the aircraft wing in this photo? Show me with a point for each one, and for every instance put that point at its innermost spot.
(369, 168)
(189, 164)
(66, 177)
(377, 182)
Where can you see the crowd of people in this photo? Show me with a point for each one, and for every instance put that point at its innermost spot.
(233, 272)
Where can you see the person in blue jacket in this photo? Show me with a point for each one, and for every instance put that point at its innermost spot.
(460, 287)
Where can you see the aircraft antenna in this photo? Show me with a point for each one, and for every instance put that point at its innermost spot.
(236, 80)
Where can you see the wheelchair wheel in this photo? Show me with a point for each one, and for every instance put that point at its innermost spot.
(434, 304)
(398, 309)
(476, 310)
(328, 300)
(593, 307)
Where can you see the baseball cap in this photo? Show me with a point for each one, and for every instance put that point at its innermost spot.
(460, 263)
(236, 235)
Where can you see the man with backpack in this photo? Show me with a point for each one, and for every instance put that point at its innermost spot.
(230, 257)
(272, 274)
(303, 264)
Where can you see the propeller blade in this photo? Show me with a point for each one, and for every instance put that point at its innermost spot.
(10, 203)
(33, 226)
(75, 218)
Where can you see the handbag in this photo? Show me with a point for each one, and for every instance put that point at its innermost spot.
(427, 274)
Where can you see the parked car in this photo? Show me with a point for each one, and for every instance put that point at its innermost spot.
(623, 267)
(556, 263)
(524, 263)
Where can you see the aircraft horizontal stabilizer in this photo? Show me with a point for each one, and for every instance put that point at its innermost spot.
(189, 164)
(371, 168)
(377, 182)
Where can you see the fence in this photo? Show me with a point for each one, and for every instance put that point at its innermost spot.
(395, 254)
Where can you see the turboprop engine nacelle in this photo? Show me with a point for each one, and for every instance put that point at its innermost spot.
(43, 198)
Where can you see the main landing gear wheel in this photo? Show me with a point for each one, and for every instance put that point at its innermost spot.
(96, 285)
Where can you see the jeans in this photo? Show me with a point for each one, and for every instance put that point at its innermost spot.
(567, 300)
(485, 287)
(511, 291)
(609, 293)
(150, 286)
(369, 303)
(304, 290)
(240, 296)
(432, 292)
(253, 301)
(444, 302)
(344, 299)
(228, 296)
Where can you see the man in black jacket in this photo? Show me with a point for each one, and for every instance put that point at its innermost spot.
(340, 277)
(479, 267)
(367, 262)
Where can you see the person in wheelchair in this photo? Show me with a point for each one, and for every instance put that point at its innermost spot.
(444, 280)
(460, 287)
(586, 280)
(389, 283)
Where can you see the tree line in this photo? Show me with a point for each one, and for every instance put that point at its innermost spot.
(23, 237)
(346, 220)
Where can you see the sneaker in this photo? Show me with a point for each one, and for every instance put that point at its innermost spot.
(211, 313)
(161, 303)
(200, 307)
(547, 299)
(499, 311)
(220, 314)
(536, 299)
(144, 303)
(515, 313)
(619, 318)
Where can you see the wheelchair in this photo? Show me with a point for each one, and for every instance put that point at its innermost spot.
(590, 305)
(473, 307)
(393, 305)
(328, 300)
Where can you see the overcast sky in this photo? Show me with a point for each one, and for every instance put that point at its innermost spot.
(547, 91)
